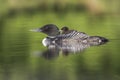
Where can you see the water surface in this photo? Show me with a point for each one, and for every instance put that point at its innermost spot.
(21, 51)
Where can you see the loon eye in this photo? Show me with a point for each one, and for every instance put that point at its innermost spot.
(46, 27)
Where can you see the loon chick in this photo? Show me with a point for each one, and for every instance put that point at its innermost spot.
(64, 30)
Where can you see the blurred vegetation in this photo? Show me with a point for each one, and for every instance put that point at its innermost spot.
(17, 44)
(92, 6)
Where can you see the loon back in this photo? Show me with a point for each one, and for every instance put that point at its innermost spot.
(75, 37)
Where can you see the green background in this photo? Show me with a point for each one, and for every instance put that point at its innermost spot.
(19, 47)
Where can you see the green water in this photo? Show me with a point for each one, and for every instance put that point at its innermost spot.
(18, 48)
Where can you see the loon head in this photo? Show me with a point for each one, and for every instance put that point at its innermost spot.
(49, 29)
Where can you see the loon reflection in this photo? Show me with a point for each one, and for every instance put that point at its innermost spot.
(67, 41)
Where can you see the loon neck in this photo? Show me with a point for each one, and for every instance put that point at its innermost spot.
(48, 40)
(50, 36)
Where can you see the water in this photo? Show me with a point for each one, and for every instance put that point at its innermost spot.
(21, 51)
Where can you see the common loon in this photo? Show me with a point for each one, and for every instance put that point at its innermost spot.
(68, 39)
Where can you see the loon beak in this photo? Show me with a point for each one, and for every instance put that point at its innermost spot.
(36, 30)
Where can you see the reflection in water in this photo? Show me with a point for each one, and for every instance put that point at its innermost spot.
(51, 53)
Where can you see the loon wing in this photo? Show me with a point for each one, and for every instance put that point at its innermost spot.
(77, 41)
(74, 35)
(72, 42)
